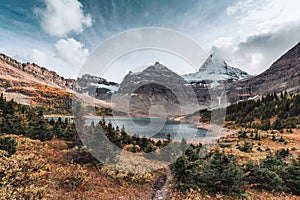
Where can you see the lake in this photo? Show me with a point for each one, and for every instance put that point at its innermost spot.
(152, 127)
(156, 127)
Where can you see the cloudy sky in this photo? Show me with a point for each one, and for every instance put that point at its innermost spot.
(61, 34)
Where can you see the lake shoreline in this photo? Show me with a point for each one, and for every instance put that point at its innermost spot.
(216, 131)
(220, 133)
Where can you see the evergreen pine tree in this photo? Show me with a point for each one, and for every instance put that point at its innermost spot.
(222, 174)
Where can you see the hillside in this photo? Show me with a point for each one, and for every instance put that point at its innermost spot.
(283, 75)
(45, 170)
(15, 71)
(54, 163)
(265, 150)
(271, 112)
(30, 84)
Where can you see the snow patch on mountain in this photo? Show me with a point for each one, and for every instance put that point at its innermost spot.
(112, 88)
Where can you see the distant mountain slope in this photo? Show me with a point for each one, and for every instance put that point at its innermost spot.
(283, 75)
(96, 87)
(30, 84)
(215, 71)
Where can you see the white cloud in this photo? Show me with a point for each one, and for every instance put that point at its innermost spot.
(61, 17)
(38, 57)
(239, 7)
(268, 16)
(264, 32)
(224, 45)
(71, 51)
(256, 53)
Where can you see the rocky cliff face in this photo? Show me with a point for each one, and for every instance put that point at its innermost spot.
(38, 72)
(30, 84)
(283, 75)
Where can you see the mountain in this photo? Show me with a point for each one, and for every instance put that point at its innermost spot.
(215, 71)
(143, 93)
(156, 73)
(283, 75)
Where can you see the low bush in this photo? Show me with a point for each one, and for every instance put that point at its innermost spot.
(23, 177)
(8, 144)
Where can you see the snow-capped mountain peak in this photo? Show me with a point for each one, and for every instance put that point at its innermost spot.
(214, 61)
(215, 71)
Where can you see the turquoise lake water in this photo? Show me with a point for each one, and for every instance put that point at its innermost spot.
(157, 128)
(154, 127)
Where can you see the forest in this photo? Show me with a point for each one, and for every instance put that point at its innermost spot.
(218, 172)
(269, 112)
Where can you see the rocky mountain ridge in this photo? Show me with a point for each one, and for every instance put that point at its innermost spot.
(36, 71)
(95, 86)
(28, 83)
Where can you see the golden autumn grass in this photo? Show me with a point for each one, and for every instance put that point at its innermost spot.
(41, 95)
(44, 170)
(266, 142)
(40, 170)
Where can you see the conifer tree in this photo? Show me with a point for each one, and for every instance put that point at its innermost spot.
(221, 174)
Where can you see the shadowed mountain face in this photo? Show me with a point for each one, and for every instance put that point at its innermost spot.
(95, 86)
(155, 91)
(283, 75)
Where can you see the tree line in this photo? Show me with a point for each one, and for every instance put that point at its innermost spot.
(285, 109)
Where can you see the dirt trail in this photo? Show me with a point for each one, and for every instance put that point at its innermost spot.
(162, 185)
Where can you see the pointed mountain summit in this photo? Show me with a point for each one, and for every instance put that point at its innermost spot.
(156, 73)
(213, 60)
(215, 71)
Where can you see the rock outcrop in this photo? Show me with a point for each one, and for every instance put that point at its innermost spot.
(95, 86)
